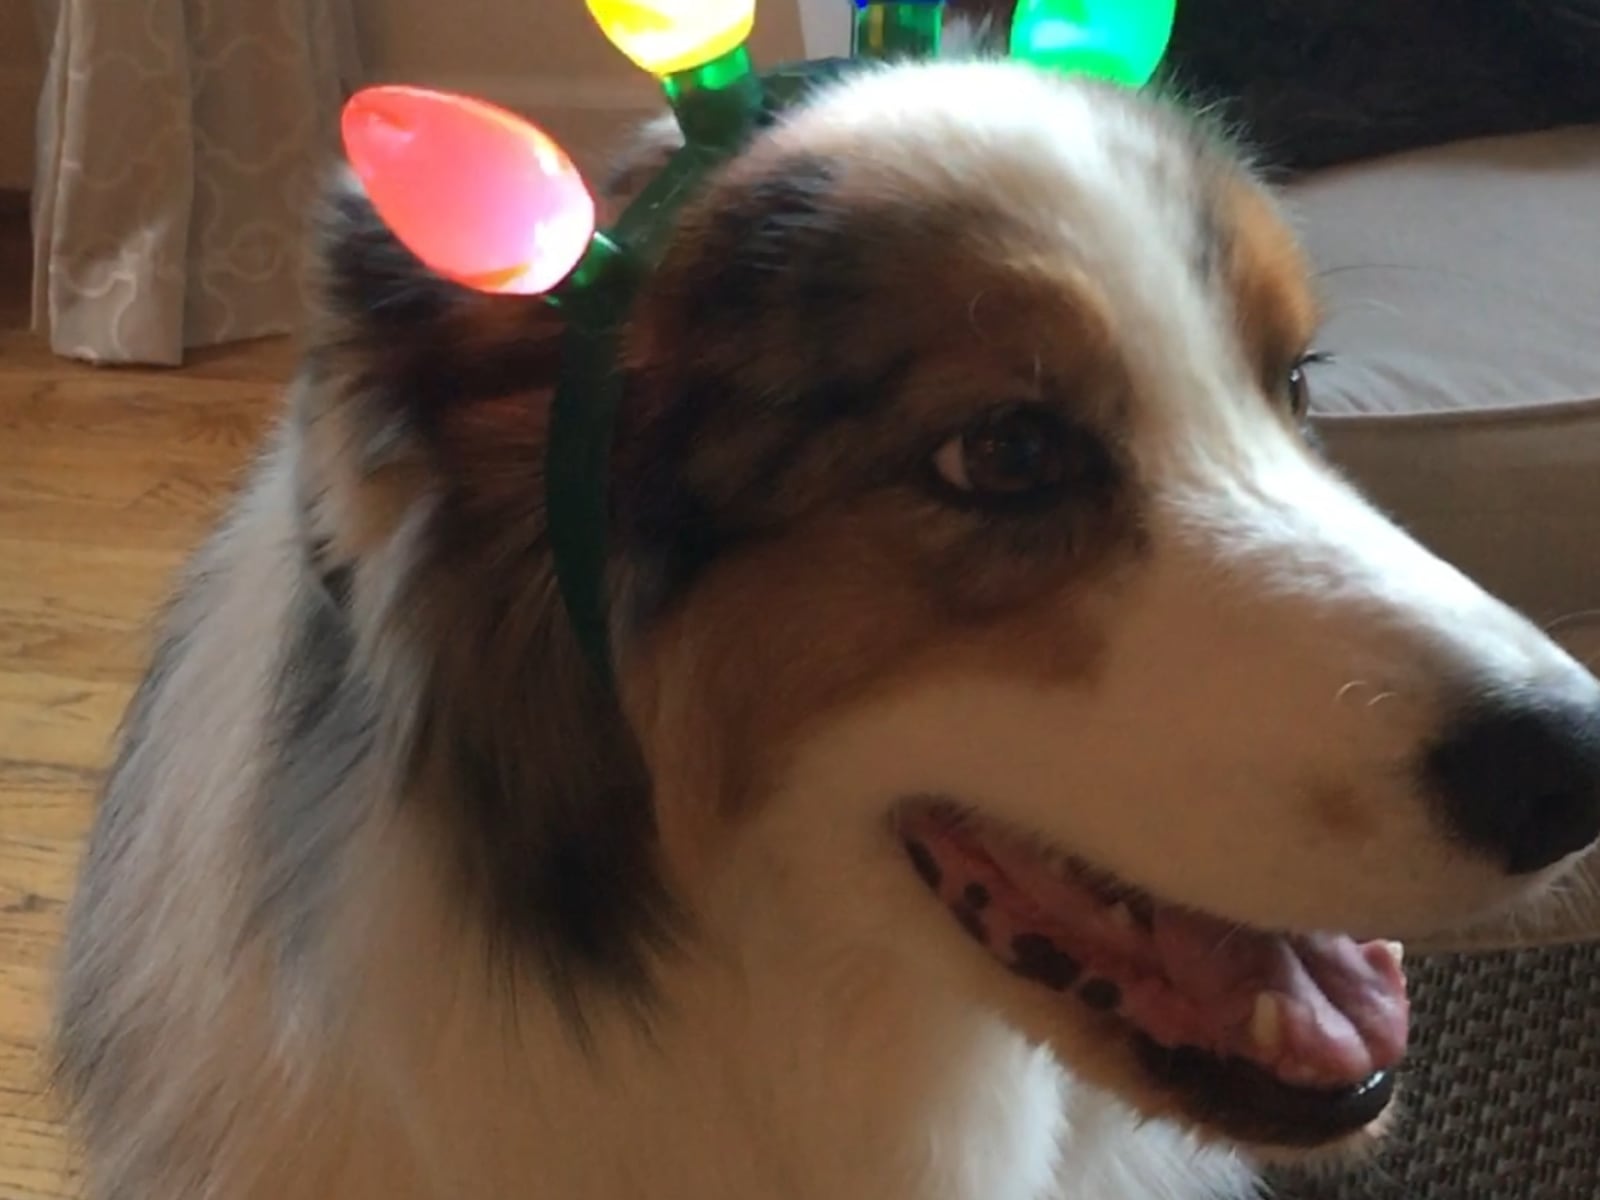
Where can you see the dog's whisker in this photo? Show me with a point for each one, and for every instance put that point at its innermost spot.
(1233, 931)
(972, 314)
(1573, 897)
(1586, 884)
(1346, 689)
(1571, 618)
(1355, 685)
(1382, 1170)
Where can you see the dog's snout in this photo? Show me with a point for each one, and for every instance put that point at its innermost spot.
(1521, 780)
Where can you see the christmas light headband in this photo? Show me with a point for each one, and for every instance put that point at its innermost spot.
(485, 198)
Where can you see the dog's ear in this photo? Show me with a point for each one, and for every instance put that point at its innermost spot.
(639, 160)
(421, 420)
(419, 344)
(977, 28)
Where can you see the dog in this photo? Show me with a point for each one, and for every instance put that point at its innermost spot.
(1024, 759)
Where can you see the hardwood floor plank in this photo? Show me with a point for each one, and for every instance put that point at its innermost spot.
(107, 479)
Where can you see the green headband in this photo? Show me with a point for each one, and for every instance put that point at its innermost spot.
(486, 199)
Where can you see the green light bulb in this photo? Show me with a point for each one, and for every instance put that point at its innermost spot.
(1119, 40)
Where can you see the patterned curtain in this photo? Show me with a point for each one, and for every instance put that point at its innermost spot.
(179, 141)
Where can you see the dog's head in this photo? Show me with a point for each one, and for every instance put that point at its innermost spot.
(973, 582)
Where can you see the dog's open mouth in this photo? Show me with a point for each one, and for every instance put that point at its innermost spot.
(1278, 1039)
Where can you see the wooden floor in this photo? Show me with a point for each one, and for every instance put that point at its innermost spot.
(106, 477)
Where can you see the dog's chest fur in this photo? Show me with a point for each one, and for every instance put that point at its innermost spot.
(735, 1087)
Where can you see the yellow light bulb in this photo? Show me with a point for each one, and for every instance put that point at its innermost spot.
(668, 36)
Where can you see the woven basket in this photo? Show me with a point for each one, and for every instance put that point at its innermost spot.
(1502, 1091)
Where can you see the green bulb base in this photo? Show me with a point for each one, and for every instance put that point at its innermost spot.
(605, 273)
(716, 103)
(887, 31)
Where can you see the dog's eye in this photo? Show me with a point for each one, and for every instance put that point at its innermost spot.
(1010, 453)
(1297, 388)
(1297, 393)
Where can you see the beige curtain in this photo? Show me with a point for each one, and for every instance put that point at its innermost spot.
(179, 141)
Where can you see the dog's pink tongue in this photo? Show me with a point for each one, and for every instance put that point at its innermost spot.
(1318, 1010)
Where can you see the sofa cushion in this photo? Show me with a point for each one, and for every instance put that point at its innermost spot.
(1462, 286)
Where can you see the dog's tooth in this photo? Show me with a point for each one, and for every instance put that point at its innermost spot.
(1397, 951)
(1266, 1023)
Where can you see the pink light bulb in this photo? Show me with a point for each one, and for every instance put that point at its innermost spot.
(479, 194)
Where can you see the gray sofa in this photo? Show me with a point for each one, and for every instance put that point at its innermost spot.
(1462, 286)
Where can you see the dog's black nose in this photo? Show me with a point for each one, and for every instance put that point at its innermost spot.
(1521, 780)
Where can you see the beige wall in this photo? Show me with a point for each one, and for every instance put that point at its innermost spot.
(544, 57)
(21, 71)
(825, 25)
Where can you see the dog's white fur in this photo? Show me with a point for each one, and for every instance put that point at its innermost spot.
(827, 1033)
